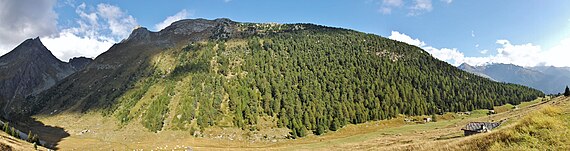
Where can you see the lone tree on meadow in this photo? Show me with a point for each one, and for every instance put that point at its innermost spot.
(567, 91)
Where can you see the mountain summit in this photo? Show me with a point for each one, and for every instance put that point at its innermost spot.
(551, 80)
(29, 69)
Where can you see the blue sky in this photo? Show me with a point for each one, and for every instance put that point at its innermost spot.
(527, 33)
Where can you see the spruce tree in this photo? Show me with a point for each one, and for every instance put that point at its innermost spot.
(567, 91)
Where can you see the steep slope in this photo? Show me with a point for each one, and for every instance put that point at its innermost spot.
(311, 79)
(550, 80)
(27, 70)
(115, 71)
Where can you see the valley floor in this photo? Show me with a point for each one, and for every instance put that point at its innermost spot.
(94, 132)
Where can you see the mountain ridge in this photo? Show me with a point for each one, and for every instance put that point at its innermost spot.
(548, 79)
(201, 73)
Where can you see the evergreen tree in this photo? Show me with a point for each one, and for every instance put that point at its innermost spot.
(313, 80)
(567, 91)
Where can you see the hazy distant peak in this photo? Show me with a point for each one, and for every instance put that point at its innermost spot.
(465, 66)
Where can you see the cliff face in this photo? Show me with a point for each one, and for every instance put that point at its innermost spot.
(29, 69)
(79, 63)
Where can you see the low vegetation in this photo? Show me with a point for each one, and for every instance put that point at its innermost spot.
(10, 130)
(546, 129)
(31, 137)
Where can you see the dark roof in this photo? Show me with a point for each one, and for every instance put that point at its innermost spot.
(476, 126)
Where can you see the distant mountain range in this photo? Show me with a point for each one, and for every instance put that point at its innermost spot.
(31, 68)
(549, 79)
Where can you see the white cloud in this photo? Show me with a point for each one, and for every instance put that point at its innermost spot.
(119, 22)
(420, 6)
(23, 19)
(483, 51)
(472, 33)
(447, 1)
(524, 55)
(559, 54)
(449, 55)
(396, 3)
(445, 54)
(170, 19)
(387, 5)
(99, 27)
(414, 8)
(395, 35)
(68, 45)
(519, 54)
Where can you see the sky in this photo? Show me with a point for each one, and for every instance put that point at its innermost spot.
(478, 32)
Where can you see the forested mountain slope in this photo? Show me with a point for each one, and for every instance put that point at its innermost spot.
(200, 73)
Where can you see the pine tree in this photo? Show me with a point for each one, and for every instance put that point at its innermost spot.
(567, 91)
(30, 139)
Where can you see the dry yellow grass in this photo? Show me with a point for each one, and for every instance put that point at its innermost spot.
(394, 134)
(8, 142)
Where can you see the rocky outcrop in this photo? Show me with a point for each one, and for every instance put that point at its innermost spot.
(79, 63)
(28, 70)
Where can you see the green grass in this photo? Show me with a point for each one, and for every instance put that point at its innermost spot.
(525, 104)
(155, 114)
(503, 108)
(397, 130)
(545, 129)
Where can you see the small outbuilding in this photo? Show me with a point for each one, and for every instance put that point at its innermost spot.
(427, 119)
(479, 127)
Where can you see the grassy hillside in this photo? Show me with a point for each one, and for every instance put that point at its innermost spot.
(545, 129)
(331, 77)
(307, 78)
(10, 143)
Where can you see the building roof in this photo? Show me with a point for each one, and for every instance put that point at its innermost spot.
(477, 126)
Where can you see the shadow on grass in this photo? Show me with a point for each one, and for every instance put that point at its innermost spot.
(49, 136)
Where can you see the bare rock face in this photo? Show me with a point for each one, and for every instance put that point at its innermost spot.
(140, 34)
(79, 63)
(27, 70)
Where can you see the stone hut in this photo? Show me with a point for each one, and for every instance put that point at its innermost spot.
(479, 127)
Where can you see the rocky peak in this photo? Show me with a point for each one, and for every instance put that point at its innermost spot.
(186, 29)
(202, 28)
(140, 34)
(31, 46)
(465, 66)
(30, 50)
(27, 70)
(79, 63)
